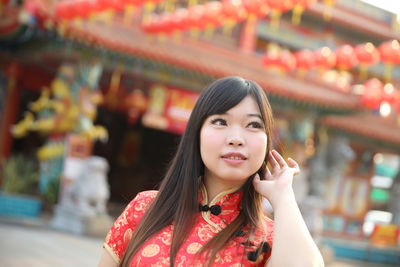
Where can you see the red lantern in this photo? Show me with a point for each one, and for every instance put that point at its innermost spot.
(213, 16)
(372, 96)
(64, 10)
(151, 26)
(390, 54)
(255, 8)
(345, 57)
(283, 61)
(367, 55)
(195, 17)
(164, 23)
(324, 58)
(304, 60)
(233, 10)
(84, 8)
(99, 6)
(180, 19)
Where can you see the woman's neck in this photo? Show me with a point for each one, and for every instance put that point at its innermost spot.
(215, 187)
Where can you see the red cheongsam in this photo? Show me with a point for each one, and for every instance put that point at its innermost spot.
(155, 251)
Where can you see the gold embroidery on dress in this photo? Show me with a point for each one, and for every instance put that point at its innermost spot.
(127, 235)
(193, 248)
(204, 232)
(150, 250)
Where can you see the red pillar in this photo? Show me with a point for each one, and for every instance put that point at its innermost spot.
(10, 109)
(248, 36)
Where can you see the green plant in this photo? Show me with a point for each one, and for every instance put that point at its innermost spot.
(20, 175)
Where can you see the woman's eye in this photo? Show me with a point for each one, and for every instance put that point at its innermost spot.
(256, 124)
(219, 122)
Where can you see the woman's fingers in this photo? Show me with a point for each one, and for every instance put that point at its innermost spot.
(293, 164)
(268, 175)
(272, 161)
(278, 158)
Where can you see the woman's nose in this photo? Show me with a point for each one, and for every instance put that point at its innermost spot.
(235, 139)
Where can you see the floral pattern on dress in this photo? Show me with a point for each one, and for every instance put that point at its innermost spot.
(155, 251)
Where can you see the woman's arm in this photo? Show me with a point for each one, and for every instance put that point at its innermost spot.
(106, 260)
(293, 244)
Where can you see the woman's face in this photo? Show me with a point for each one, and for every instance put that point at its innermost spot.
(233, 144)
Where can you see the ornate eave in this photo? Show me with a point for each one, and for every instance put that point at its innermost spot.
(369, 128)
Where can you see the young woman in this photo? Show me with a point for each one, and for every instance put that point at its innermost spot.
(208, 211)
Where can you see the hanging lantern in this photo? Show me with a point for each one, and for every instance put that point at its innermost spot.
(345, 57)
(282, 61)
(213, 17)
(64, 10)
(298, 9)
(390, 54)
(255, 8)
(165, 24)
(328, 9)
(277, 8)
(180, 19)
(324, 58)
(151, 26)
(372, 96)
(85, 8)
(234, 12)
(304, 61)
(195, 19)
(367, 55)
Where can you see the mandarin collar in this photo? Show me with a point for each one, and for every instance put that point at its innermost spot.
(229, 200)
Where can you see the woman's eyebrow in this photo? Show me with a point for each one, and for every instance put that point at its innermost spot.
(254, 115)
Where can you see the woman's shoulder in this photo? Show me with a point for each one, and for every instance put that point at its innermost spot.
(146, 195)
(143, 199)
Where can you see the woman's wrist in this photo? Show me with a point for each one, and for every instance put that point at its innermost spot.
(283, 199)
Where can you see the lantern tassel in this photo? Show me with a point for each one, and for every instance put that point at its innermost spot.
(363, 72)
(328, 10)
(148, 9)
(275, 18)
(388, 72)
(296, 16)
(228, 26)
(209, 31)
(128, 13)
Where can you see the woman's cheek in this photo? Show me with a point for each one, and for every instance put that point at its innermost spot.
(259, 148)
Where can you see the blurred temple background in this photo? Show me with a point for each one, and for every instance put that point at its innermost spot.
(95, 94)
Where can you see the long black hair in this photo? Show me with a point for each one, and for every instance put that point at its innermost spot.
(178, 196)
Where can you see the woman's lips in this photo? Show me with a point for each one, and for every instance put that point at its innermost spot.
(234, 158)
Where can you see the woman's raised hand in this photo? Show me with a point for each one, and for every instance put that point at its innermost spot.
(277, 182)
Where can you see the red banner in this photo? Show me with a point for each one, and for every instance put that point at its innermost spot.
(169, 108)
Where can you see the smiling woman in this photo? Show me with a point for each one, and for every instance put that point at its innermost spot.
(233, 146)
(208, 208)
